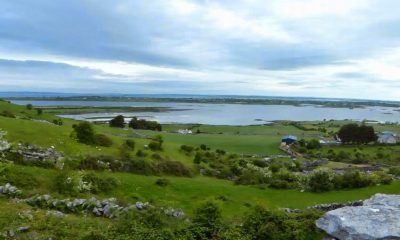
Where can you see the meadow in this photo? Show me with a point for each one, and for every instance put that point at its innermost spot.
(30, 126)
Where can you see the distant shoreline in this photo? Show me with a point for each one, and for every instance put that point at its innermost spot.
(332, 103)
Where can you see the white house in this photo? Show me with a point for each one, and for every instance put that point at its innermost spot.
(387, 138)
(185, 131)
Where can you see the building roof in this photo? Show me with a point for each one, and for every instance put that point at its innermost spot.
(290, 137)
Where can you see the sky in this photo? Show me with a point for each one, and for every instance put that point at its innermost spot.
(311, 48)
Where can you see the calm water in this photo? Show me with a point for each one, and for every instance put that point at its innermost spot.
(230, 114)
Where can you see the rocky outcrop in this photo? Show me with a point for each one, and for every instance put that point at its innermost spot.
(377, 218)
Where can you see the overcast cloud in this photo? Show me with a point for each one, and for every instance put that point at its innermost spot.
(321, 48)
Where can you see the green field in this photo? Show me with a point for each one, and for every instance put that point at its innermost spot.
(182, 192)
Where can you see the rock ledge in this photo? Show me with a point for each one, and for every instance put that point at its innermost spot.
(378, 218)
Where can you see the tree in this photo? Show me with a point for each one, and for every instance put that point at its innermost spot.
(353, 133)
(313, 144)
(136, 123)
(84, 132)
(39, 111)
(118, 121)
(29, 106)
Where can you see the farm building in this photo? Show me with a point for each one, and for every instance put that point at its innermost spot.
(387, 138)
(185, 131)
(289, 139)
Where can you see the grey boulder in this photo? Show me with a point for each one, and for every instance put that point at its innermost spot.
(378, 218)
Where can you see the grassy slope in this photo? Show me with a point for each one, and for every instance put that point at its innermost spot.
(187, 192)
(183, 192)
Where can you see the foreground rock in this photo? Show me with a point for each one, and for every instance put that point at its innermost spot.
(378, 218)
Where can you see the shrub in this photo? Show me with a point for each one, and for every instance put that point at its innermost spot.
(8, 114)
(101, 162)
(136, 123)
(207, 220)
(352, 179)
(156, 143)
(173, 168)
(58, 122)
(382, 178)
(100, 184)
(102, 140)
(39, 111)
(187, 149)
(29, 106)
(18, 177)
(162, 182)
(274, 168)
(249, 177)
(118, 121)
(394, 171)
(130, 143)
(320, 181)
(313, 144)
(354, 133)
(141, 166)
(64, 184)
(141, 153)
(263, 224)
(284, 180)
(84, 132)
(155, 146)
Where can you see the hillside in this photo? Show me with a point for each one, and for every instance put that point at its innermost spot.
(218, 174)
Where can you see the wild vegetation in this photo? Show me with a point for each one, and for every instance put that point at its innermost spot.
(230, 182)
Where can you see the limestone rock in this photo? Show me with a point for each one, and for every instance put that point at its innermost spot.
(378, 218)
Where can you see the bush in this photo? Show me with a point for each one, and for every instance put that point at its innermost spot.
(84, 132)
(263, 224)
(320, 181)
(394, 171)
(174, 168)
(187, 149)
(39, 111)
(8, 114)
(249, 177)
(118, 121)
(354, 133)
(102, 140)
(155, 146)
(313, 144)
(141, 153)
(141, 166)
(130, 143)
(284, 180)
(136, 123)
(352, 179)
(156, 143)
(162, 182)
(100, 184)
(17, 177)
(207, 220)
(58, 122)
(101, 162)
(64, 184)
(29, 106)
(382, 178)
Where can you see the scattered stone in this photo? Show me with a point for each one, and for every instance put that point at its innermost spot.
(23, 229)
(55, 213)
(37, 155)
(333, 206)
(9, 190)
(377, 218)
(316, 163)
(26, 215)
